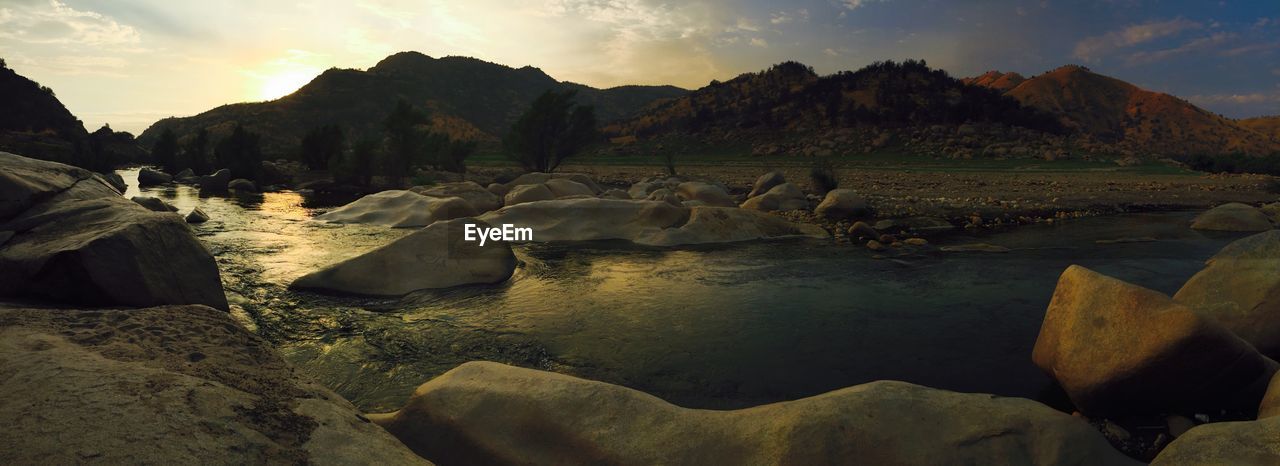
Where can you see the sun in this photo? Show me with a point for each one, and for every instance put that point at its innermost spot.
(282, 84)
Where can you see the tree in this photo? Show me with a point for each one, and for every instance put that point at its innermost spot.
(405, 140)
(241, 152)
(320, 145)
(356, 165)
(552, 130)
(196, 153)
(165, 151)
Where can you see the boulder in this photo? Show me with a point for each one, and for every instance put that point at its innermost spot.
(499, 190)
(1270, 405)
(399, 209)
(542, 178)
(1225, 443)
(438, 256)
(151, 177)
(653, 223)
(487, 413)
(242, 185)
(154, 204)
(1117, 348)
(523, 193)
(642, 189)
(215, 182)
(1233, 217)
(862, 230)
(784, 197)
(115, 181)
(615, 194)
(77, 240)
(1240, 289)
(766, 182)
(167, 385)
(197, 216)
(664, 195)
(562, 187)
(185, 173)
(481, 199)
(711, 194)
(1272, 210)
(842, 204)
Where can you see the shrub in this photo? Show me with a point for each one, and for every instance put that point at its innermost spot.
(822, 175)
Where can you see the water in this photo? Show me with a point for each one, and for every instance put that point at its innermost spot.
(714, 327)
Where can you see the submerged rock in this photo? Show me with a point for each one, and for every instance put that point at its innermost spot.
(481, 199)
(437, 256)
(399, 209)
(1117, 348)
(167, 385)
(653, 223)
(1233, 217)
(154, 204)
(841, 204)
(1240, 289)
(150, 177)
(77, 240)
(485, 413)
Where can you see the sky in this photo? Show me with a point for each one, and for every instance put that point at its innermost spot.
(132, 62)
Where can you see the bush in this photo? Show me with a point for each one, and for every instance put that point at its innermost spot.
(241, 152)
(822, 175)
(1233, 163)
(552, 130)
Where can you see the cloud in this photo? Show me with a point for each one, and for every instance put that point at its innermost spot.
(783, 17)
(1199, 44)
(855, 4)
(1093, 48)
(56, 23)
(758, 42)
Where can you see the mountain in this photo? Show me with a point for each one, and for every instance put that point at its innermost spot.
(1266, 125)
(1002, 82)
(468, 98)
(1129, 118)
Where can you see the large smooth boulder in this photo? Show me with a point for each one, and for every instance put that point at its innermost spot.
(1245, 443)
(1240, 289)
(543, 178)
(785, 196)
(481, 199)
(438, 256)
(1118, 348)
(522, 193)
(712, 195)
(564, 187)
(399, 209)
(167, 385)
(75, 239)
(154, 204)
(766, 182)
(150, 177)
(1233, 217)
(489, 413)
(841, 204)
(653, 223)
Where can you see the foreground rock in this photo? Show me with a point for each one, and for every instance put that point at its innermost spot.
(435, 257)
(167, 385)
(653, 223)
(1225, 443)
(1233, 217)
(480, 198)
(1240, 289)
(841, 204)
(399, 209)
(1118, 348)
(487, 413)
(151, 177)
(75, 239)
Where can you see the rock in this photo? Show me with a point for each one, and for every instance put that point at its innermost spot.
(915, 224)
(1178, 425)
(484, 413)
(215, 182)
(974, 247)
(875, 245)
(615, 194)
(766, 182)
(115, 181)
(1270, 405)
(1232, 217)
(665, 195)
(438, 256)
(1225, 443)
(1240, 289)
(197, 216)
(642, 189)
(863, 231)
(842, 204)
(709, 193)
(1272, 210)
(150, 177)
(399, 209)
(916, 242)
(784, 197)
(652, 223)
(498, 189)
(154, 204)
(542, 178)
(242, 185)
(77, 240)
(481, 199)
(523, 193)
(167, 385)
(1117, 348)
(185, 173)
(562, 188)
